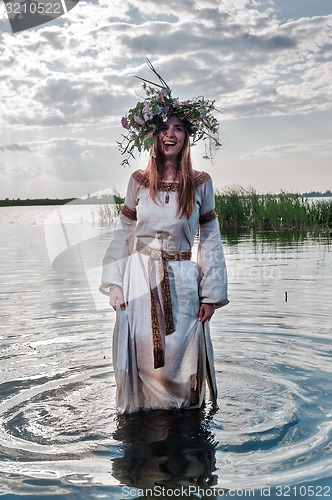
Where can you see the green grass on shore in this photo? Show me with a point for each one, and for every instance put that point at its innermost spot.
(240, 208)
(237, 208)
(244, 208)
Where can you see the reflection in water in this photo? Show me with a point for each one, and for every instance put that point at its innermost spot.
(234, 237)
(166, 448)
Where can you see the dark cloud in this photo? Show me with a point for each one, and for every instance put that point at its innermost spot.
(268, 43)
(59, 91)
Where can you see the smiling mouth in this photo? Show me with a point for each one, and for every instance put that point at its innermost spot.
(169, 143)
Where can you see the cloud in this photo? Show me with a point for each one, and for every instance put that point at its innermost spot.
(14, 147)
(74, 78)
(252, 64)
(316, 149)
(238, 52)
(67, 158)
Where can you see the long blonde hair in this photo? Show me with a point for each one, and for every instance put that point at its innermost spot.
(155, 171)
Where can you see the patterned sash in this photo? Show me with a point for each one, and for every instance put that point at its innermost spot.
(162, 256)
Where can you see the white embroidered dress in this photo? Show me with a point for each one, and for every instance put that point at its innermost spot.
(187, 354)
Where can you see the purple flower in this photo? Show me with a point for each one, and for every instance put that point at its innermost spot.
(139, 119)
(147, 113)
(164, 110)
(125, 123)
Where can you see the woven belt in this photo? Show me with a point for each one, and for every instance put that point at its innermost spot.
(162, 256)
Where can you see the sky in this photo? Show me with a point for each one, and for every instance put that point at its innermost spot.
(66, 84)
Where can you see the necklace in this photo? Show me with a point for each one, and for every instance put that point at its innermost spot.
(169, 188)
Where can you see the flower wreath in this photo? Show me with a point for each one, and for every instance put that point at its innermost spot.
(142, 121)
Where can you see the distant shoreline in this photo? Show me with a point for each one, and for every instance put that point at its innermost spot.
(90, 200)
(34, 202)
(236, 208)
(116, 199)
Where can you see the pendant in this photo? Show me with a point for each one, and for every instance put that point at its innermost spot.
(167, 198)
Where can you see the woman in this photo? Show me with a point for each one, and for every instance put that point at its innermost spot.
(162, 352)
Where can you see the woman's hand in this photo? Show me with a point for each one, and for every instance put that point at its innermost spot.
(206, 312)
(116, 298)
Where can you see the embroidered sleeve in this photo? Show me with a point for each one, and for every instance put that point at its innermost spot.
(210, 254)
(122, 240)
(201, 178)
(141, 178)
(208, 217)
(129, 212)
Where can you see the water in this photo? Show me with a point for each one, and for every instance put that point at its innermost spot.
(59, 434)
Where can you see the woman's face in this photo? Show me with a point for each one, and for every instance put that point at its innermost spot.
(171, 136)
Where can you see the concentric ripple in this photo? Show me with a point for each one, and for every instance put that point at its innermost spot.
(55, 417)
(271, 430)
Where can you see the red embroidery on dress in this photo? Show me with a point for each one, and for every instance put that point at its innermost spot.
(129, 212)
(143, 179)
(157, 340)
(201, 178)
(208, 217)
(166, 298)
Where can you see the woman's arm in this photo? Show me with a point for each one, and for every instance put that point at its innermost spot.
(210, 257)
(120, 247)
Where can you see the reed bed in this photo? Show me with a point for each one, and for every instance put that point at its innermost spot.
(108, 212)
(244, 208)
(240, 208)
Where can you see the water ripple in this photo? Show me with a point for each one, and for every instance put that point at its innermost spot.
(59, 432)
